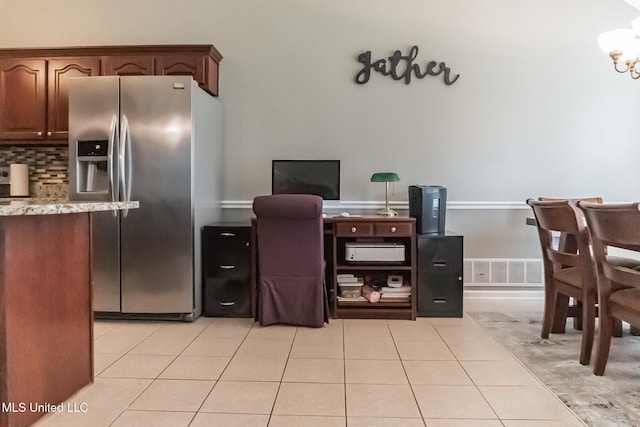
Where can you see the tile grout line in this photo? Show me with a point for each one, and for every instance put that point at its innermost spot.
(404, 369)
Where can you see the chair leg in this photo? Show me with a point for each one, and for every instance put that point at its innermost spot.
(549, 315)
(588, 328)
(560, 307)
(604, 343)
(577, 320)
(326, 305)
(617, 328)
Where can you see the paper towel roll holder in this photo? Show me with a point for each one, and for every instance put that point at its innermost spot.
(18, 185)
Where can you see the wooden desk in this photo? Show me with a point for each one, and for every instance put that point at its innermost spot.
(342, 230)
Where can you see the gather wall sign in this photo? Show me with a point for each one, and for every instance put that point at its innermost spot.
(390, 67)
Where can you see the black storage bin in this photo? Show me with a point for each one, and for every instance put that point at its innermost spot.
(428, 205)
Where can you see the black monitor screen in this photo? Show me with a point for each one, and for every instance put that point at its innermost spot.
(319, 177)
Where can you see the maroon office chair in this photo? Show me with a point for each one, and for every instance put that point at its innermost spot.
(290, 250)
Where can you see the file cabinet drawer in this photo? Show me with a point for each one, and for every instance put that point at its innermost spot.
(227, 297)
(226, 252)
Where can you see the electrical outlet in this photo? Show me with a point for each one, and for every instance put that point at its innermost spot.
(4, 174)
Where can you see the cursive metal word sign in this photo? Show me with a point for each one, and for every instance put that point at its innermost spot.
(390, 68)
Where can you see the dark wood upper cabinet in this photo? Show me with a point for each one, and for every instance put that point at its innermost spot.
(174, 65)
(202, 68)
(127, 65)
(60, 70)
(23, 105)
(34, 103)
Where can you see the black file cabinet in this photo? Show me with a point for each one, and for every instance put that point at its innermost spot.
(226, 270)
(440, 275)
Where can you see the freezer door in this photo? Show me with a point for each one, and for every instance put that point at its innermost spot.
(93, 115)
(157, 239)
(93, 122)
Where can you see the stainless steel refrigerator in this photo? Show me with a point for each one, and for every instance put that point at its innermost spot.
(157, 140)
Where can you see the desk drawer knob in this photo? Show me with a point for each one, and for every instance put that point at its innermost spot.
(354, 229)
(394, 229)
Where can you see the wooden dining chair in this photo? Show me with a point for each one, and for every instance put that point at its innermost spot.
(563, 309)
(567, 273)
(618, 226)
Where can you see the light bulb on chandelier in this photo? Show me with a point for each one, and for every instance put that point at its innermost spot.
(623, 47)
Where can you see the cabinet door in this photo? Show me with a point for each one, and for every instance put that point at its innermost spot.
(60, 70)
(128, 65)
(182, 65)
(22, 99)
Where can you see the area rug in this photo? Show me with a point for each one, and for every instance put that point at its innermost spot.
(611, 400)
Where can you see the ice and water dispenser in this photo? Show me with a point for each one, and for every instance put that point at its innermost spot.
(93, 166)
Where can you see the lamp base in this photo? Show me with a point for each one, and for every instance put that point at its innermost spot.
(387, 212)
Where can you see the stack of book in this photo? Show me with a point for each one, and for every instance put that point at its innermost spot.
(403, 293)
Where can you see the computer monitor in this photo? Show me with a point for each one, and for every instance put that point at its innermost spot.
(319, 177)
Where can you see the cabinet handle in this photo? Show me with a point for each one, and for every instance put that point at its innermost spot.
(227, 267)
(228, 234)
(394, 229)
(48, 133)
(227, 304)
(354, 229)
(39, 133)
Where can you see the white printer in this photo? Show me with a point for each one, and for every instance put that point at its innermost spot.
(357, 251)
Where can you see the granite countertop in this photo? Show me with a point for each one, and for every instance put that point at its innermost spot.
(10, 207)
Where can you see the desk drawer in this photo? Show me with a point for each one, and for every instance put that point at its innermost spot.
(392, 229)
(354, 229)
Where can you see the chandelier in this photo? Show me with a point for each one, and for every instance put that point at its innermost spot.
(623, 46)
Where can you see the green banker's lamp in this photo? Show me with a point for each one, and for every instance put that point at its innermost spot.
(386, 177)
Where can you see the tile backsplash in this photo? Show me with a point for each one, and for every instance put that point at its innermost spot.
(48, 168)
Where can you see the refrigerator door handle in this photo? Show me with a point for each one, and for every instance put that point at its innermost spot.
(123, 157)
(112, 141)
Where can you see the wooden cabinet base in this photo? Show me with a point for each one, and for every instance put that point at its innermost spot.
(46, 320)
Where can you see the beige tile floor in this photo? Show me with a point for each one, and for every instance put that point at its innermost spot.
(433, 372)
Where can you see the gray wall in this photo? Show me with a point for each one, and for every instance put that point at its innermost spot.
(538, 109)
